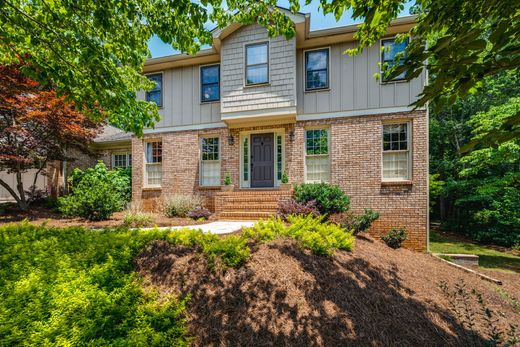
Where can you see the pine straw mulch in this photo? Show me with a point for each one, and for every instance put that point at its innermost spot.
(285, 296)
(41, 215)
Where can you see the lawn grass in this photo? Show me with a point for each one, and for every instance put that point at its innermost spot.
(489, 258)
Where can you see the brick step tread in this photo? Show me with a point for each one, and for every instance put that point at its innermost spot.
(245, 214)
(251, 201)
(255, 193)
(239, 207)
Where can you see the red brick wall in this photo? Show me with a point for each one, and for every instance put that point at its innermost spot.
(355, 166)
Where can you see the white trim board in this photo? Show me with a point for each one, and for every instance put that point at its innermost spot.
(355, 113)
(186, 127)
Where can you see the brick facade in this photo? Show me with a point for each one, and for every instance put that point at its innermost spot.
(355, 156)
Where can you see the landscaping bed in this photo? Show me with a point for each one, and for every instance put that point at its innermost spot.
(41, 215)
(285, 295)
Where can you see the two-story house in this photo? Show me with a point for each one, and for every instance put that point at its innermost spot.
(254, 107)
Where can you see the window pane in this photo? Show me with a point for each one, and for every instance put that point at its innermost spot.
(395, 165)
(153, 152)
(317, 142)
(318, 168)
(395, 137)
(279, 157)
(391, 49)
(246, 159)
(256, 74)
(210, 92)
(210, 148)
(210, 74)
(317, 60)
(154, 174)
(155, 94)
(317, 79)
(210, 175)
(256, 54)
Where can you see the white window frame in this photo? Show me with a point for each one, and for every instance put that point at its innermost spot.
(162, 87)
(147, 164)
(128, 159)
(201, 67)
(409, 150)
(305, 70)
(201, 162)
(381, 61)
(256, 43)
(316, 155)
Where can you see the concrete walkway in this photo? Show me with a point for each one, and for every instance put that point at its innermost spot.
(221, 227)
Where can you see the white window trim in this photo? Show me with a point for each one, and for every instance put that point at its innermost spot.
(162, 87)
(146, 164)
(252, 43)
(316, 155)
(203, 102)
(209, 136)
(313, 90)
(410, 149)
(381, 62)
(128, 160)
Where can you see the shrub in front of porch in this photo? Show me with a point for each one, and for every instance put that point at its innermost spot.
(293, 207)
(179, 205)
(329, 198)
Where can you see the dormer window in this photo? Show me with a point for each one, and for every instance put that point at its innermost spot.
(390, 50)
(257, 63)
(155, 95)
(210, 83)
(317, 69)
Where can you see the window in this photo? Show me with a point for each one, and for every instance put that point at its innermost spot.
(246, 158)
(396, 151)
(155, 95)
(153, 167)
(257, 63)
(390, 50)
(210, 162)
(121, 160)
(279, 157)
(317, 165)
(317, 69)
(210, 83)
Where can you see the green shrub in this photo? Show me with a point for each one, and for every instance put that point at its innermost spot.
(360, 223)
(329, 198)
(265, 230)
(96, 193)
(232, 250)
(190, 237)
(285, 177)
(395, 237)
(227, 179)
(320, 237)
(74, 286)
(180, 205)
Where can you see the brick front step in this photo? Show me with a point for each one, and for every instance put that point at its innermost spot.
(250, 204)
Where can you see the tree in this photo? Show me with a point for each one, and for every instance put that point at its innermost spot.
(36, 127)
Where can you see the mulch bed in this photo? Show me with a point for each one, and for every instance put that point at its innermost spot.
(285, 296)
(41, 215)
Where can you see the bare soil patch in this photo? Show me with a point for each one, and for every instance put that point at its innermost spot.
(286, 296)
(40, 215)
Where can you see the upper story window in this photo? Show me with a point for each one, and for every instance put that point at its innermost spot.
(210, 83)
(121, 160)
(257, 63)
(153, 167)
(155, 94)
(396, 151)
(390, 50)
(317, 69)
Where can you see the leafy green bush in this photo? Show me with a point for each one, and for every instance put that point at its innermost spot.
(232, 250)
(395, 237)
(329, 198)
(74, 286)
(311, 232)
(96, 193)
(180, 205)
(360, 223)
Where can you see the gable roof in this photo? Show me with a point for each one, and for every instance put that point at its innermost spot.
(304, 39)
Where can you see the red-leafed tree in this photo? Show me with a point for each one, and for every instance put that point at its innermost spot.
(36, 127)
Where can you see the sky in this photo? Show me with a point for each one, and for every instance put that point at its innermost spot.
(318, 21)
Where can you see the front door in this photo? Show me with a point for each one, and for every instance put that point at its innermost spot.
(262, 160)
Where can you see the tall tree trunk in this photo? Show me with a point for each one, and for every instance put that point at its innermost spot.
(20, 203)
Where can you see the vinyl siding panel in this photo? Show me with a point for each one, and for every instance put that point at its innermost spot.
(181, 99)
(353, 86)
